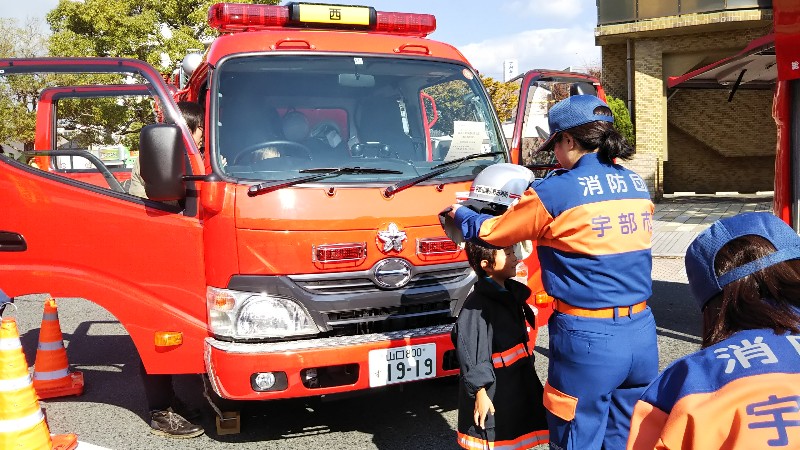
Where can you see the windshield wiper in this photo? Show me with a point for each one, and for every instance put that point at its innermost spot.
(465, 158)
(435, 171)
(317, 174)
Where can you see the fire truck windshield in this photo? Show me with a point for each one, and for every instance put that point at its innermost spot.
(278, 116)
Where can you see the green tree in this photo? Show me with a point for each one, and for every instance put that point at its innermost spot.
(451, 103)
(160, 32)
(19, 94)
(504, 96)
(622, 118)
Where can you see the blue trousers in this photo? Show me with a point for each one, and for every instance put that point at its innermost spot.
(604, 364)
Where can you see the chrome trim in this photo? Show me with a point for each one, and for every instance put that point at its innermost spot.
(324, 343)
(333, 323)
(415, 270)
(404, 272)
(364, 280)
(212, 374)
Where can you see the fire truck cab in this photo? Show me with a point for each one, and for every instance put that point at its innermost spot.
(297, 252)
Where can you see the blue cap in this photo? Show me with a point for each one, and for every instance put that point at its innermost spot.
(4, 298)
(700, 256)
(570, 113)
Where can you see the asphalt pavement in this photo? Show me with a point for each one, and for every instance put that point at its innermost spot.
(422, 415)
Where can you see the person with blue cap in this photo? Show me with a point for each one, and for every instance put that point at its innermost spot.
(592, 221)
(742, 389)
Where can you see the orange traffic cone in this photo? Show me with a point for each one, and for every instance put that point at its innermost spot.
(22, 422)
(51, 375)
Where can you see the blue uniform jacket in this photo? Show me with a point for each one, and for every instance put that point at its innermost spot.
(593, 226)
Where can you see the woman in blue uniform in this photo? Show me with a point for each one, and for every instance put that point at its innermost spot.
(592, 221)
(742, 390)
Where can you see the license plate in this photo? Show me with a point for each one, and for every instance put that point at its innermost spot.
(401, 364)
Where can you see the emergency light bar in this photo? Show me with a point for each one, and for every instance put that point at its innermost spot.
(230, 17)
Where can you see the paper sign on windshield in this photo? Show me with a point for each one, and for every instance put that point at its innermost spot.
(467, 139)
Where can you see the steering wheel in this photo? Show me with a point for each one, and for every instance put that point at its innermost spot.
(285, 148)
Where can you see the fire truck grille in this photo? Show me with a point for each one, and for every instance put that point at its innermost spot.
(388, 319)
(361, 282)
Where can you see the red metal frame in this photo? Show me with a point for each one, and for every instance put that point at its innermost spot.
(757, 45)
(428, 125)
(781, 112)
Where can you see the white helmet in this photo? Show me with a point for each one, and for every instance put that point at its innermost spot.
(501, 184)
(494, 189)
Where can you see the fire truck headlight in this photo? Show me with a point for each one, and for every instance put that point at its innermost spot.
(247, 315)
(264, 316)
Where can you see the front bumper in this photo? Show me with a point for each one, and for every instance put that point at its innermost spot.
(230, 365)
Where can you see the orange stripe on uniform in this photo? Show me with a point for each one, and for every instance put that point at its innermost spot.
(523, 221)
(602, 228)
(525, 441)
(509, 357)
(558, 403)
(721, 419)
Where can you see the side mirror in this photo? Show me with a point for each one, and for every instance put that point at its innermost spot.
(162, 162)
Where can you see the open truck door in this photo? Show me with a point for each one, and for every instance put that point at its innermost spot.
(538, 91)
(70, 228)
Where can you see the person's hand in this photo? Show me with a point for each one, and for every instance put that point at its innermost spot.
(451, 210)
(483, 407)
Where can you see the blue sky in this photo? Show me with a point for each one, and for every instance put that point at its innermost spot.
(547, 34)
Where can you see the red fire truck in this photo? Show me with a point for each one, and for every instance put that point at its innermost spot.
(769, 62)
(297, 252)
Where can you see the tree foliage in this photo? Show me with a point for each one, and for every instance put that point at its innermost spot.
(160, 32)
(504, 96)
(19, 94)
(451, 102)
(622, 118)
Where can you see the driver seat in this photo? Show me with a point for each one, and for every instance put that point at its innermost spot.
(379, 120)
(247, 123)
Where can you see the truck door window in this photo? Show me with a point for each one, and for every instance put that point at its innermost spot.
(105, 127)
(80, 120)
(378, 112)
(539, 101)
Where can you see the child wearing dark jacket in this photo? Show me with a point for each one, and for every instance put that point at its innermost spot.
(500, 395)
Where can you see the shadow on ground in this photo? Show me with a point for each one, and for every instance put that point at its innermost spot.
(675, 311)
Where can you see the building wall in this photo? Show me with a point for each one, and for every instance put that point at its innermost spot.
(614, 74)
(705, 114)
(741, 127)
(696, 167)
